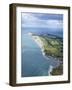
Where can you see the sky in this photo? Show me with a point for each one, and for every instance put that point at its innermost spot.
(41, 20)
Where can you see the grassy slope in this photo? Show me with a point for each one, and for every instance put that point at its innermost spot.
(54, 48)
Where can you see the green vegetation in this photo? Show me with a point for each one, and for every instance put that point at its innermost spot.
(58, 70)
(52, 46)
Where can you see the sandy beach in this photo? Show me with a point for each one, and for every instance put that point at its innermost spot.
(38, 41)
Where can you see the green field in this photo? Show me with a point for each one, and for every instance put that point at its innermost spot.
(52, 46)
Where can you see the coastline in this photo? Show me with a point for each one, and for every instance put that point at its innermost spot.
(50, 70)
(41, 45)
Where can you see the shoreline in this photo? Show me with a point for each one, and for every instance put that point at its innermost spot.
(40, 44)
(50, 70)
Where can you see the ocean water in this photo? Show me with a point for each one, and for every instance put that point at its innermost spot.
(33, 63)
(41, 31)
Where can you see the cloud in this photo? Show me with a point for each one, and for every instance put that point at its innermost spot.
(55, 23)
(30, 20)
(28, 17)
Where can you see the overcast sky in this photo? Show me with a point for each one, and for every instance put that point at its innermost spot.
(40, 20)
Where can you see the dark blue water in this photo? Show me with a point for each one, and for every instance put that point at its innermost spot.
(42, 31)
(33, 61)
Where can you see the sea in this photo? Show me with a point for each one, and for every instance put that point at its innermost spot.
(33, 62)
